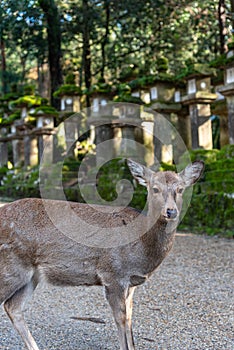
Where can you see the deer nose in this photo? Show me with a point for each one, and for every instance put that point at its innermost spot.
(171, 213)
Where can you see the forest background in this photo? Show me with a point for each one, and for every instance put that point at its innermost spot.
(107, 40)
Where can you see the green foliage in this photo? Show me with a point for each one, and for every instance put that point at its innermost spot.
(212, 204)
(221, 61)
(211, 209)
(211, 213)
(70, 79)
(20, 184)
(29, 89)
(125, 39)
(162, 64)
(107, 182)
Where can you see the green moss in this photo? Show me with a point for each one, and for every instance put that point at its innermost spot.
(28, 101)
(196, 69)
(151, 79)
(208, 156)
(10, 119)
(217, 186)
(128, 98)
(226, 152)
(45, 110)
(216, 175)
(68, 90)
(225, 163)
(100, 88)
(211, 213)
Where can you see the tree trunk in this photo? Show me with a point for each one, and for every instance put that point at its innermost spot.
(105, 38)
(86, 49)
(232, 11)
(222, 26)
(3, 60)
(54, 46)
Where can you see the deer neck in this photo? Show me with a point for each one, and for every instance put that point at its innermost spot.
(159, 237)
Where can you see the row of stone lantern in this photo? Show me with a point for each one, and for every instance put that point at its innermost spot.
(27, 138)
(190, 104)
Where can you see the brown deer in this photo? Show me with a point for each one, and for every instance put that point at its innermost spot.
(34, 248)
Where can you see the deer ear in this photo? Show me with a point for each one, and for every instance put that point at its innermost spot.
(139, 172)
(192, 173)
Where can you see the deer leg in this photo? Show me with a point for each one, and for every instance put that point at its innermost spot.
(116, 296)
(14, 309)
(129, 306)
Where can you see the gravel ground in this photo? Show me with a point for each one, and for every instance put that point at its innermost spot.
(187, 304)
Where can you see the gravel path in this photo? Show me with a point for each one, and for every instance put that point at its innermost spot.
(187, 304)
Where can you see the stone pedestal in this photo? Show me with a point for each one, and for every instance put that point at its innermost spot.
(31, 157)
(71, 128)
(18, 151)
(3, 153)
(219, 108)
(45, 146)
(104, 143)
(199, 112)
(228, 92)
(3, 147)
(184, 127)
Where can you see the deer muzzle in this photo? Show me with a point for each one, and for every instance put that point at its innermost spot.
(171, 213)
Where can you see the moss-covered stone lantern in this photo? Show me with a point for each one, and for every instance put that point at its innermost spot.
(101, 94)
(69, 95)
(227, 90)
(44, 125)
(199, 98)
(27, 104)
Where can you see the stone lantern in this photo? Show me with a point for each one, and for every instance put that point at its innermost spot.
(69, 95)
(227, 90)
(26, 104)
(101, 94)
(158, 91)
(199, 98)
(17, 139)
(42, 134)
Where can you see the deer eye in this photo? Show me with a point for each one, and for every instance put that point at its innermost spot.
(180, 190)
(155, 190)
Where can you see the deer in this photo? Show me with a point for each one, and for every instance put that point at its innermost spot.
(34, 249)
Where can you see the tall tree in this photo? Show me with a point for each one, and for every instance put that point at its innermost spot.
(52, 16)
(86, 47)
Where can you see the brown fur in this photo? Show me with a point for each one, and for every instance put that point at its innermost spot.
(33, 247)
